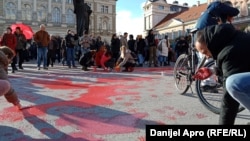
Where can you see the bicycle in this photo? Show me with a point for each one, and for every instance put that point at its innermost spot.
(186, 66)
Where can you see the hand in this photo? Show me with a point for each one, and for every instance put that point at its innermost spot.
(203, 73)
(117, 68)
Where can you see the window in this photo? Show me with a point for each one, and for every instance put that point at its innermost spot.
(57, 1)
(41, 13)
(248, 8)
(56, 15)
(104, 9)
(70, 16)
(10, 11)
(161, 7)
(27, 12)
(69, 1)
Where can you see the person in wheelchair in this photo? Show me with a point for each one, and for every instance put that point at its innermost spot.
(217, 13)
(125, 60)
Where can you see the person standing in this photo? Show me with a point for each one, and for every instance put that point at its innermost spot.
(70, 38)
(152, 48)
(9, 40)
(163, 52)
(51, 55)
(20, 48)
(42, 39)
(115, 47)
(124, 41)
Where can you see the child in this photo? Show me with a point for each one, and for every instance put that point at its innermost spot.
(107, 62)
(6, 55)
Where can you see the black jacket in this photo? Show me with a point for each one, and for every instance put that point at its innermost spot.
(230, 47)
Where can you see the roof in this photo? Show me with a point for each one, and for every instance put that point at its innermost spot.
(167, 18)
(193, 13)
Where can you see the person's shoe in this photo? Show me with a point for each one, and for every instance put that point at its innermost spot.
(52, 65)
(20, 67)
(13, 71)
(69, 67)
(130, 69)
(210, 89)
(38, 68)
(45, 68)
(74, 66)
(18, 106)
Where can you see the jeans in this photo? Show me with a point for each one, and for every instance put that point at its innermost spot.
(42, 54)
(140, 58)
(70, 57)
(84, 50)
(238, 86)
(162, 59)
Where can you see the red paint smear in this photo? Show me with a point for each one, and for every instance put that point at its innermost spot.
(180, 113)
(200, 116)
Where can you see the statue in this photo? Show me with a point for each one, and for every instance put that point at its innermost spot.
(82, 11)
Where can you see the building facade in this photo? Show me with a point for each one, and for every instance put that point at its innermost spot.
(58, 15)
(178, 23)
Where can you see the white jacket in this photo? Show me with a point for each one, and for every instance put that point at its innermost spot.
(164, 51)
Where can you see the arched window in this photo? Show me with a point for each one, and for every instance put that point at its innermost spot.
(10, 10)
(41, 13)
(70, 16)
(56, 15)
(26, 12)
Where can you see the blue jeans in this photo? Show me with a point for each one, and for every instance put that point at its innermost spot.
(238, 86)
(70, 57)
(140, 58)
(42, 54)
(162, 59)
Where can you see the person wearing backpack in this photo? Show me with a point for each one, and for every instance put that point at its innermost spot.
(163, 51)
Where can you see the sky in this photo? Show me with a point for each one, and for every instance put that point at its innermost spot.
(130, 15)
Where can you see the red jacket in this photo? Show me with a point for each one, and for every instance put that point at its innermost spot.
(104, 59)
(9, 40)
(98, 57)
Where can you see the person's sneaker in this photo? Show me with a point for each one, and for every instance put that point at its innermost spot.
(18, 106)
(20, 67)
(210, 89)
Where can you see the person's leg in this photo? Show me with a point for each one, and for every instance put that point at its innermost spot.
(151, 55)
(160, 59)
(13, 64)
(229, 110)
(155, 56)
(39, 57)
(44, 54)
(48, 57)
(4, 87)
(68, 57)
(238, 86)
(21, 58)
(73, 57)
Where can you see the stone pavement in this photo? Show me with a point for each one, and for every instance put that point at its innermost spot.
(73, 105)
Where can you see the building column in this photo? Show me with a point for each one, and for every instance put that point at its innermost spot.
(49, 15)
(63, 6)
(34, 13)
